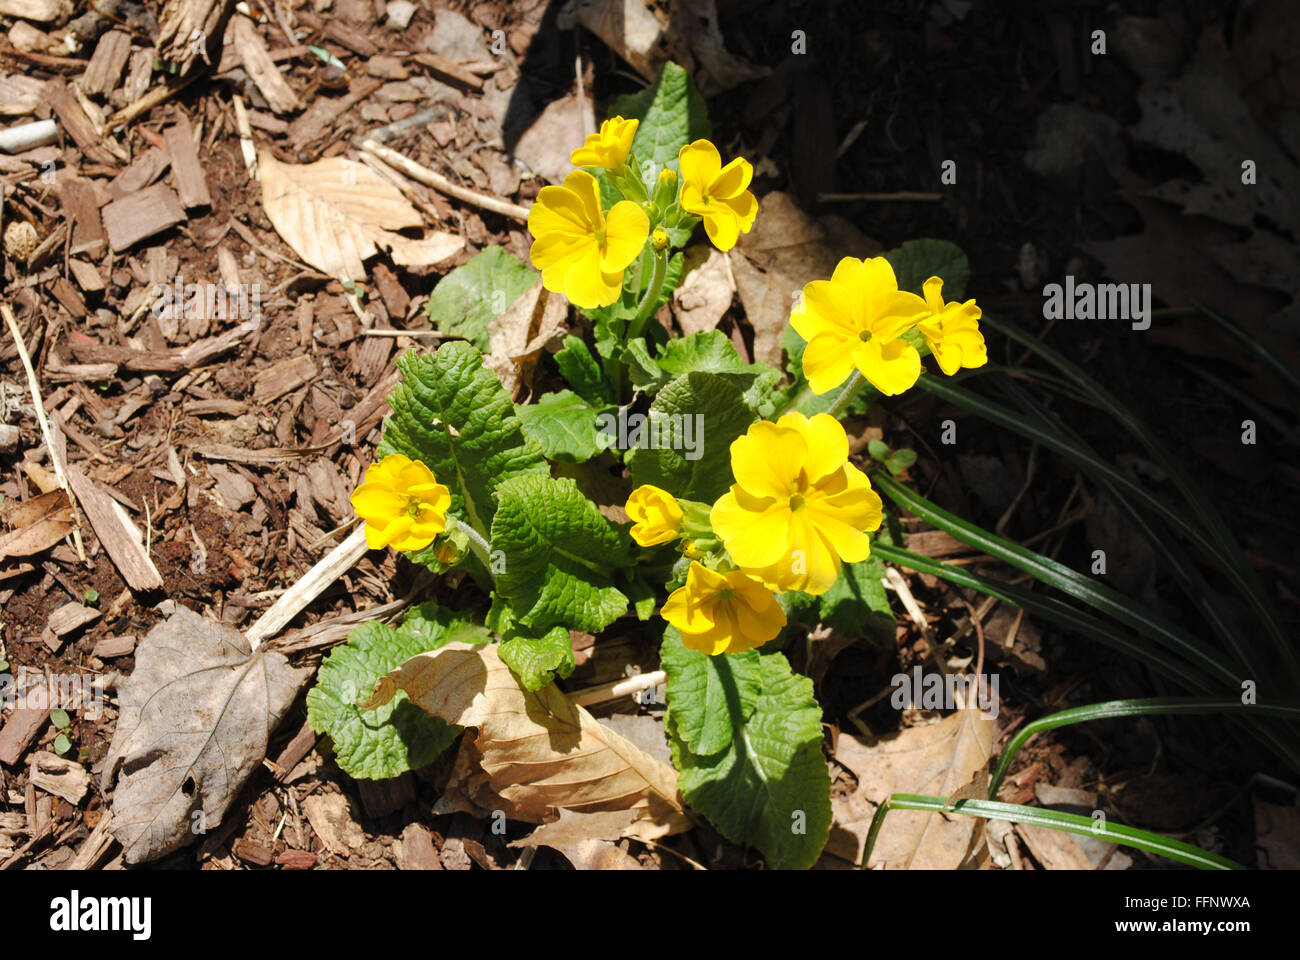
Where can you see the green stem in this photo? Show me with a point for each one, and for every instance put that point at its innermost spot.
(850, 390)
(651, 296)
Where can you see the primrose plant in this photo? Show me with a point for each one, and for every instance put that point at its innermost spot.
(748, 521)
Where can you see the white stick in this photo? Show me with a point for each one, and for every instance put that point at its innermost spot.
(313, 583)
(618, 688)
(28, 135)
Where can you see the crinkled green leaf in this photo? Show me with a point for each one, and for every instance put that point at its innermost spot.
(708, 693)
(581, 372)
(770, 787)
(916, 261)
(857, 604)
(452, 413)
(710, 351)
(536, 661)
(701, 468)
(465, 300)
(398, 736)
(558, 555)
(672, 114)
(564, 425)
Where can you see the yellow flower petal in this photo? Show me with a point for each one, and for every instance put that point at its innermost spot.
(722, 227)
(753, 538)
(626, 230)
(766, 460)
(828, 361)
(892, 368)
(700, 162)
(731, 179)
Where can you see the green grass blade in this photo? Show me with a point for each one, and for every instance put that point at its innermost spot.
(1143, 840)
(1062, 614)
(1226, 551)
(1259, 350)
(1101, 598)
(1156, 706)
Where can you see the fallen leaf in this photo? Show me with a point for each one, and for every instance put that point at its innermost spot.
(1277, 836)
(1054, 849)
(519, 334)
(195, 718)
(39, 523)
(545, 146)
(939, 759)
(538, 751)
(786, 249)
(336, 213)
(706, 290)
(585, 839)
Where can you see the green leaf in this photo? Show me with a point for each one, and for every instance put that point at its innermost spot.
(564, 425)
(704, 699)
(60, 718)
(916, 261)
(672, 114)
(857, 604)
(559, 554)
(62, 744)
(582, 373)
(878, 449)
(770, 786)
(398, 736)
(452, 413)
(536, 661)
(709, 411)
(710, 351)
(465, 300)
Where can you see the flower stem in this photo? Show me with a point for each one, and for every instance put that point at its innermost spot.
(855, 384)
(651, 296)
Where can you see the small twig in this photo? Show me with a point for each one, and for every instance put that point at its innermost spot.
(313, 583)
(618, 688)
(150, 100)
(44, 421)
(436, 180)
(899, 584)
(401, 333)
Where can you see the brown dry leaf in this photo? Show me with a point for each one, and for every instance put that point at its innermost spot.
(519, 334)
(645, 37)
(545, 146)
(539, 751)
(38, 524)
(1277, 836)
(336, 213)
(1054, 849)
(585, 839)
(941, 759)
(786, 249)
(706, 290)
(196, 716)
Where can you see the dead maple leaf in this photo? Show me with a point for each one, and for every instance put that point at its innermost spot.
(196, 714)
(37, 524)
(940, 759)
(538, 751)
(336, 213)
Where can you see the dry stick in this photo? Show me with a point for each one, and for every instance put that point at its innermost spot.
(150, 100)
(401, 333)
(441, 183)
(48, 434)
(618, 688)
(313, 583)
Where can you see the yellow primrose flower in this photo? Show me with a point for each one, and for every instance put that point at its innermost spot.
(723, 612)
(798, 507)
(581, 252)
(403, 506)
(609, 147)
(656, 515)
(717, 194)
(857, 319)
(951, 332)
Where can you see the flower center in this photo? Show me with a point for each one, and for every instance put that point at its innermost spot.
(413, 508)
(600, 237)
(796, 502)
(865, 336)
